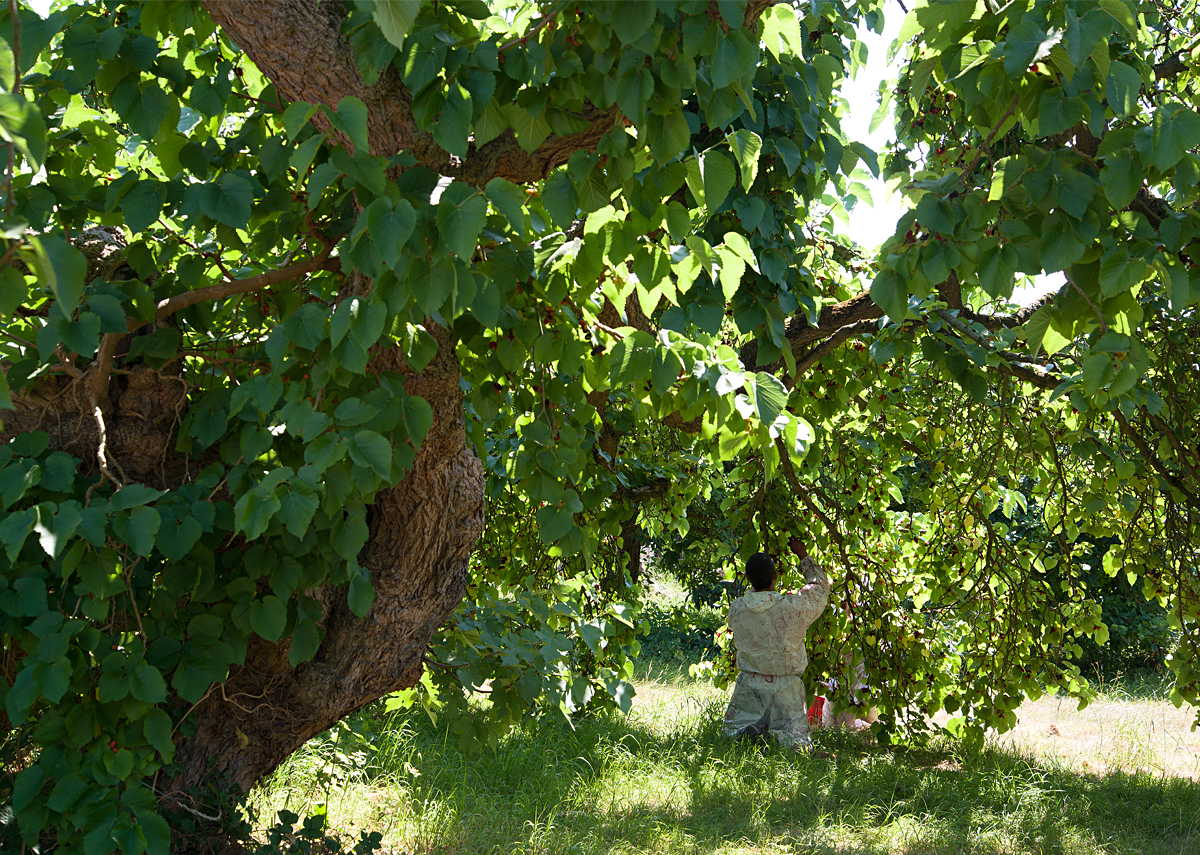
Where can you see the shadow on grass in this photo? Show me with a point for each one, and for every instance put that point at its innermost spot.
(616, 784)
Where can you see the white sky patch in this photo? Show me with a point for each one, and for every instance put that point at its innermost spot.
(871, 226)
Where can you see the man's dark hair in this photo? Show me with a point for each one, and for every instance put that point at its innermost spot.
(760, 571)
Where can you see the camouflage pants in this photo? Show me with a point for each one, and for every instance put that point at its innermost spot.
(763, 704)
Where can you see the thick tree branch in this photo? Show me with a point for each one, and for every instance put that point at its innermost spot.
(298, 45)
(800, 332)
(221, 290)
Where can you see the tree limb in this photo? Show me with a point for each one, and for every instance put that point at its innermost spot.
(221, 290)
(299, 46)
(1154, 461)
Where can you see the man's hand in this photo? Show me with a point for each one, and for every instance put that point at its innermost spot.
(797, 546)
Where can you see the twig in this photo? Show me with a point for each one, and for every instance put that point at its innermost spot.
(230, 700)
(979, 151)
(1088, 300)
(102, 450)
(789, 473)
(133, 600)
(203, 697)
(429, 659)
(528, 34)
(614, 333)
(830, 344)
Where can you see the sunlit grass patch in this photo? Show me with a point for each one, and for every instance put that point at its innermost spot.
(664, 780)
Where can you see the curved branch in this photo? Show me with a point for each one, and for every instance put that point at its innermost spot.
(1153, 459)
(221, 290)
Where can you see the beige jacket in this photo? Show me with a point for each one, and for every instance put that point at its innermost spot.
(769, 627)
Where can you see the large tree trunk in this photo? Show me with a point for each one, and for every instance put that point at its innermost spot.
(422, 535)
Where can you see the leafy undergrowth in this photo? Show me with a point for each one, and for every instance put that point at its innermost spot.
(665, 780)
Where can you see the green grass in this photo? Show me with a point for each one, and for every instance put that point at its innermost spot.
(664, 780)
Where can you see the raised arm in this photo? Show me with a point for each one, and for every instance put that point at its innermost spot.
(814, 596)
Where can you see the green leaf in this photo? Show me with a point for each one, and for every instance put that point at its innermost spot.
(1174, 130)
(253, 512)
(361, 594)
(890, 294)
(770, 397)
(156, 725)
(27, 785)
(348, 534)
(176, 541)
(14, 529)
(61, 268)
(351, 119)
(142, 205)
(138, 528)
(790, 152)
(1025, 44)
(710, 178)
(297, 505)
(491, 124)
(732, 270)
(418, 419)
(132, 495)
(395, 18)
(65, 792)
(1056, 112)
(1124, 83)
(1075, 193)
(509, 200)
(144, 108)
(370, 450)
(227, 200)
(560, 199)
(734, 57)
(634, 88)
(156, 831)
(454, 124)
(367, 320)
(554, 522)
(146, 684)
(1123, 14)
(997, 267)
(531, 129)
(296, 116)
(268, 617)
(390, 227)
(668, 135)
(462, 212)
(305, 642)
(746, 146)
(22, 123)
(1121, 177)
(631, 19)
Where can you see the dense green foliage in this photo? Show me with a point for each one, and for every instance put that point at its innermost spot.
(293, 275)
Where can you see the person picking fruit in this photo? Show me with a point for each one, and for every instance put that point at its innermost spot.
(768, 632)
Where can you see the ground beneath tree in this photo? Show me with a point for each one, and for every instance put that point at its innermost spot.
(1118, 777)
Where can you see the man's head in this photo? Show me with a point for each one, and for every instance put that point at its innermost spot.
(760, 571)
